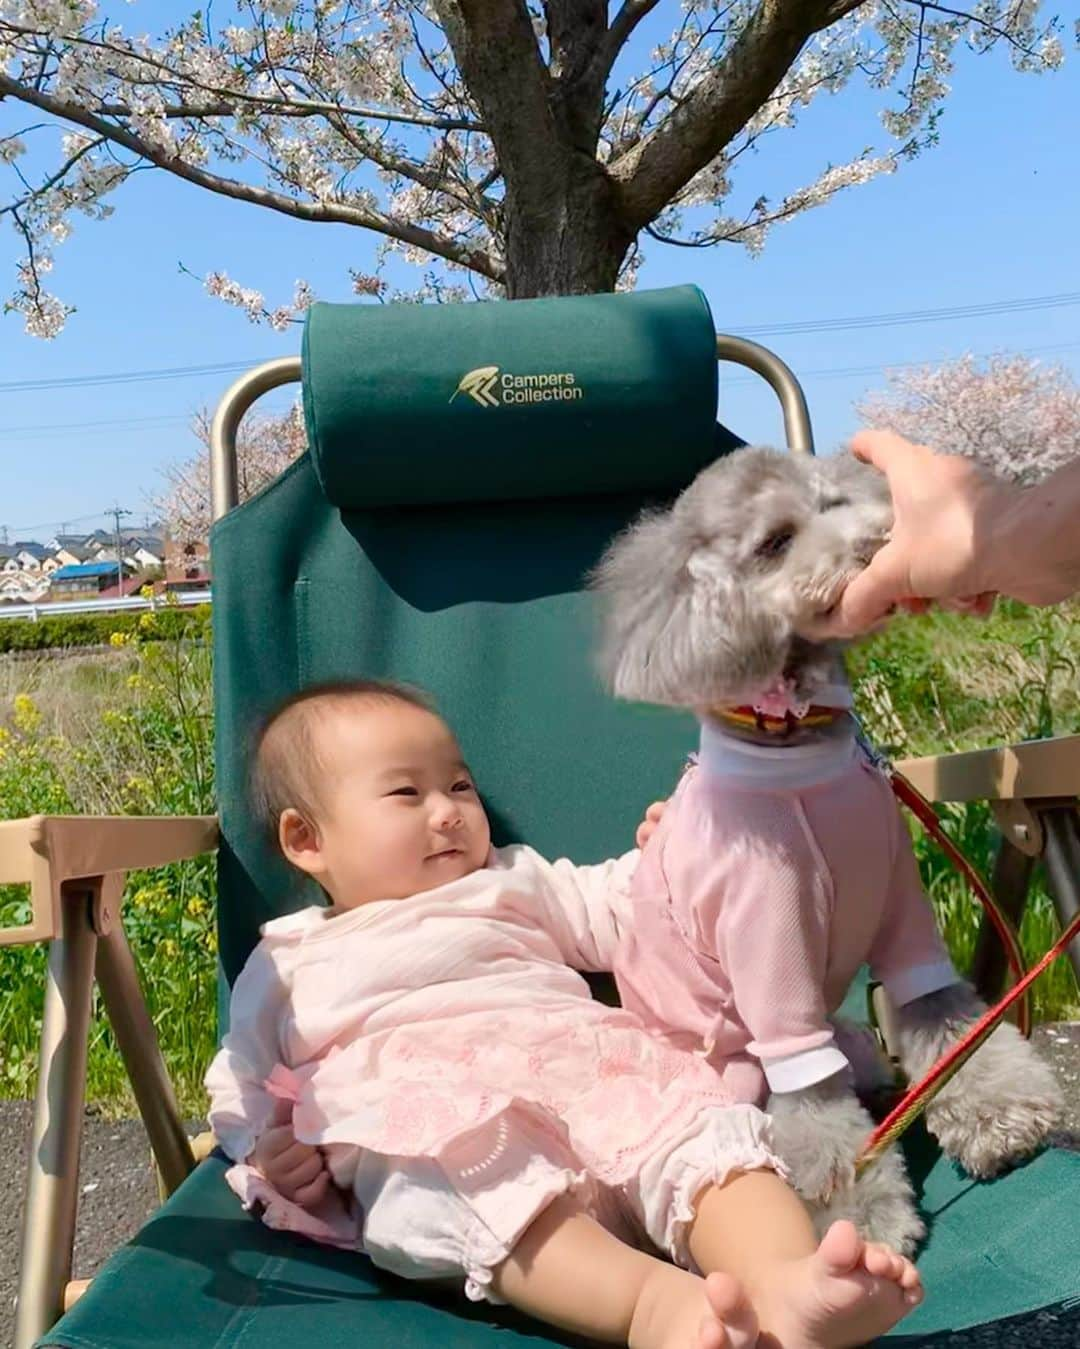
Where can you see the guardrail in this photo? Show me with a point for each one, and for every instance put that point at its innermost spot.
(186, 598)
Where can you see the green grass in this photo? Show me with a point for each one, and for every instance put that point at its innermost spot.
(130, 731)
(942, 683)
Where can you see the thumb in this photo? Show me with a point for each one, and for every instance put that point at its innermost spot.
(874, 591)
(886, 449)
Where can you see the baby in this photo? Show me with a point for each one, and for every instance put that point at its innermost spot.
(431, 1038)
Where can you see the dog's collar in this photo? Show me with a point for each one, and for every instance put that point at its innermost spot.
(750, 718)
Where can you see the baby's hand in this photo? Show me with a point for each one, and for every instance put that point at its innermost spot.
(647, 827)
(296, 1170)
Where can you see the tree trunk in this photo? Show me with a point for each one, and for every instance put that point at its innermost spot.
(570, 243)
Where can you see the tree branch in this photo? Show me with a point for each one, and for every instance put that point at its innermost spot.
(323, 212)
(652, 172)
(416, 173)
(223, 101)
(55, 178)
(624, 23)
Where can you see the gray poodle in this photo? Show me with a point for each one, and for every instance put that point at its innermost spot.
(715, 604)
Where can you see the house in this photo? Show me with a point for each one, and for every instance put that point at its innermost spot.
(187, 565)
(131, 586)
(23, 587)
(85, 579)
(71, 554)
(30, 555)
(144, 551)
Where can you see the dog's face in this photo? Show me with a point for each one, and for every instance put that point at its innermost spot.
(710, 601)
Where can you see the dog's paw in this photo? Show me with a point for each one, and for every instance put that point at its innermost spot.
(818, 1134)
(999, 1108)
(1003, 1102)
(881, 1204)
(988, 1132)
(884, 1204)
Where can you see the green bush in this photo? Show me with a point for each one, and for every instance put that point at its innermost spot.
(68, 630)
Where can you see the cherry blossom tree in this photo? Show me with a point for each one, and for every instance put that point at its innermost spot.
(510, 143)
(1015, 415)
(265, 447)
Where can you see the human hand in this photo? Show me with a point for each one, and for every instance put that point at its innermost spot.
(647, 827)
(296, 1170)
(938, 547)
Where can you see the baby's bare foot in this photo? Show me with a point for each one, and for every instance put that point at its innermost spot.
(679, 1310)
(730, 1322)
(846, 1293)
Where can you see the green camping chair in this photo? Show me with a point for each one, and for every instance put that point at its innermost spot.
(467, 466)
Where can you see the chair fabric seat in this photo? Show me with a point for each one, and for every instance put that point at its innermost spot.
(374, 563)
(202, 1272)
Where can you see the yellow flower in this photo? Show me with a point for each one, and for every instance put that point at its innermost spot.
(147, 592)
(196, 906)
(135, 681)
(147, 622)
(169, 949)
(24, 713)
(119, 638)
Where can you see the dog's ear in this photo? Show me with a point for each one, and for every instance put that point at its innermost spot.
(677, 626)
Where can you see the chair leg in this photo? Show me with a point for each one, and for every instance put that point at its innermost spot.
(138, 1044)
(1009, 883)
(1062, 858)
(52, 1183)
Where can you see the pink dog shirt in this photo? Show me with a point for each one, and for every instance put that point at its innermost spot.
(774, 874)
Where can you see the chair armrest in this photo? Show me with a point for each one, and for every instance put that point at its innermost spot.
(48, 851)
(1030, 771)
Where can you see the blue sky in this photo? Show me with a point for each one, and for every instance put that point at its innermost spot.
(990, 214)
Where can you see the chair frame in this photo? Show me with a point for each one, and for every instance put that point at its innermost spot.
(76, 868)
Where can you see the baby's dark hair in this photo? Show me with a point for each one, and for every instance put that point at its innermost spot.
(285, 766)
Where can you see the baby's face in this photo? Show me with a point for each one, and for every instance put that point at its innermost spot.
(401, 813)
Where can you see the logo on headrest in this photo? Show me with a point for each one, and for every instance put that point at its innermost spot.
(491, 387)
(479, 384)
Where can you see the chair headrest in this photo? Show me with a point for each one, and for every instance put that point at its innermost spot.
(410, 405)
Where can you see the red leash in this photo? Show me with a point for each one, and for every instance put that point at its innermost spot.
(915, 1100)
(924, 812)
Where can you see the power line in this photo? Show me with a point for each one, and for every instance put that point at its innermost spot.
(901, 318)
(34, 430)
(882, 367)
(906, 317)
(125, 377)
(67, 520)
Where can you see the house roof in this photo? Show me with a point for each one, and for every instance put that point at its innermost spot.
(84, 571)
(76, 550)
(132, 585)
(29, 546)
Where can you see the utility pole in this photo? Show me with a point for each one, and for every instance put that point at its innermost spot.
(116, 513)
